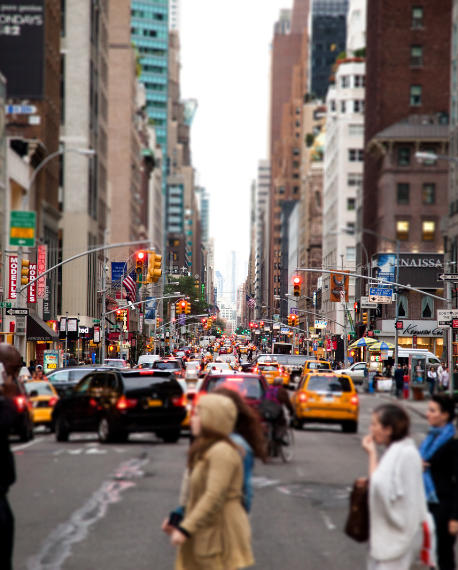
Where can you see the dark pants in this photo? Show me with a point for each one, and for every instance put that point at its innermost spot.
(399, 388)
(445, 541)
(432, 385)
(6, 534)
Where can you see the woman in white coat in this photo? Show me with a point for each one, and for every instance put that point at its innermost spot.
(397, 502)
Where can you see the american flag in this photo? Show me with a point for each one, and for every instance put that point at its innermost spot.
(250, 302)
(130, 283)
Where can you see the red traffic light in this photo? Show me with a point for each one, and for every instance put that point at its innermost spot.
(262, 323)
(296, 280)
(251, 325)
(183, 304)
(203, 320)
(141, 255)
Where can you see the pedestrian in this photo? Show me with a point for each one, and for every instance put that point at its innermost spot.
(439, 452)
(399, 380)
(440, 370)
(432, 377)
(397, 502)
(40, 375)
(445, 379)
(12, 363)
(250, 355)
(32, 367)
(72, 361)
(215, 532)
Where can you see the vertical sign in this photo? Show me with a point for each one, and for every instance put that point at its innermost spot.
(13, 278)
(140, 322)
(96, 334)
(47, 300)
(339, 284)
(32, 289)
(41, 268)
(414, 341)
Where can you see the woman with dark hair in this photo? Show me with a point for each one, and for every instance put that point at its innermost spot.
(214, 533)
(397, 504)
(439, 452)
(249, 437)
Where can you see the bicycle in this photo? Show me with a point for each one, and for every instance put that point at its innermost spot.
(284, 447)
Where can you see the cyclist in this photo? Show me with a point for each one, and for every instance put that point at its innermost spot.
(277, 395)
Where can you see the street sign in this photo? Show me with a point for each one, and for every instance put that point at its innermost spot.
(5, 305)
(315, 346)
(15, 311)
(447, 277)
(455, 323)
(445, 316)
(20, 325)
(96, 321)
(376, 332)
(342, 296)
(366, 305)
(23, 228)
(20, 109)
(380, 295)
(399, 325)
(370, 334)
(283, 331)
(321, 324)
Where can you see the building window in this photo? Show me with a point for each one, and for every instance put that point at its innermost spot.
(402, 230)
(358, 106)
(403, 306)
(296, 151)
(360, 80)
(429, 194)
(417, 17)
(402, 193)
(345, 81)
(351, 253)
(355, 130)
(332, 103)
(416, 56)
(403, 156)
(355, 155)
(351, 204)
(355, 179)
(343, 107)
(429, 161)
(415, 95)
(427, 307)
(428, 230)
(296, 189)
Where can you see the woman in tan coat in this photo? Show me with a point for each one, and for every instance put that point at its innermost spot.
(215, 533)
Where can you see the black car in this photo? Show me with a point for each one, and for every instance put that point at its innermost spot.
(114, 403)
(23, 422)
(66, 378)
(174, 365)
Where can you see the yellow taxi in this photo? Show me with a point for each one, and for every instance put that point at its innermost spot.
(43, 397)
(243, 350)
(271, 370)
(311, 365)
(325, 397)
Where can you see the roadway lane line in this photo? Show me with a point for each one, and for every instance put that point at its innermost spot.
(57, 546)
(25, 445)
(327, 521)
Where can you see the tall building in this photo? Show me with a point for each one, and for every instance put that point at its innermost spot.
(452, 245)
(204, 208)
(219, 286)
(175, 14)
(84, 123)
(327, 31)
(262, 236)
(231, 272)
(150, 35)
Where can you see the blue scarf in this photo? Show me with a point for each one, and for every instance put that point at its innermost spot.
(435, 439)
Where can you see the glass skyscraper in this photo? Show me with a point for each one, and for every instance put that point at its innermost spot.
(150, 34)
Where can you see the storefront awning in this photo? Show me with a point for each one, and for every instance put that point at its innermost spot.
(37, 329)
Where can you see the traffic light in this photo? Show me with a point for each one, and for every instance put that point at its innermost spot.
(139, 265)
(290, 320)
(365, 318)
(154, 267)
(119, 315)
(158, 322)
(209, 323)
(293, 320)
(251, 326)
(188, 308)
(182, 307)
(357, 307)
(262, 323)
(297, 286)
(25, 269)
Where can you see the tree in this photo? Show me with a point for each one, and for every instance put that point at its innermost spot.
(187, 287)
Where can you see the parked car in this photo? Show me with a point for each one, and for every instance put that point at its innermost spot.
(355, 371)
(118, 402)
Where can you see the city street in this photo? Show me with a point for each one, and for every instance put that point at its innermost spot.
(85, 505)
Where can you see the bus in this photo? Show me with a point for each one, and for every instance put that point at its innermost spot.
(282, 348)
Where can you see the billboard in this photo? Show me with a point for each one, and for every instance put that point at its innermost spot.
(339, 282)
(387, 266)
(22, 48)
(150, 310)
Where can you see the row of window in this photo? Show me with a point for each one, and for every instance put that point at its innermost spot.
(348, 81)
(427, 307)
(348, 106)
(356, 155)
(428, 230)
(148, 33)
(428, 193)
(404, 157)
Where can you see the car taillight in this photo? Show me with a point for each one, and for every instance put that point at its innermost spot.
(302, 397)
(21, 403)
(179, 401)
(125, 403)
(52, 402)
(354, 400)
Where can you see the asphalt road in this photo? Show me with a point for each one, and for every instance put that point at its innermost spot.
(82, 505)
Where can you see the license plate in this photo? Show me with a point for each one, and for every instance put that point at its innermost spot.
(329, 398)
(154, 403)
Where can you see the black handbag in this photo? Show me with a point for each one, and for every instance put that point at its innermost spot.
(357, 525)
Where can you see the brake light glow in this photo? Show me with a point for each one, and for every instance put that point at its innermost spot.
(21, 403)
(126, 403)
(146, 373)
(354, 400)
(302, 397)
(52, 402)
(179, 401)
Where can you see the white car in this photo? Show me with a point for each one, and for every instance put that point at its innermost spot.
(356, 372)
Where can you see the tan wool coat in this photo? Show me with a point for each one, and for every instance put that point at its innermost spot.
(220, 534)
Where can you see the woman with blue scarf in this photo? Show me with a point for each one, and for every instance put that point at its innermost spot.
(439, 452)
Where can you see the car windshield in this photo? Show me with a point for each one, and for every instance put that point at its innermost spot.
(250, 388)
(136, 381)
(318, 365)
(328, 384)
(115, 363)
(192, 365)
(166, 365)
(43, 388)
(218, 366)
(268, 367)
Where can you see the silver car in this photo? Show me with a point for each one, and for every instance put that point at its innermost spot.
(356, 372)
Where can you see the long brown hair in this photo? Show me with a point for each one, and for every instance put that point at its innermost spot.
(202, 444)
(247, 424)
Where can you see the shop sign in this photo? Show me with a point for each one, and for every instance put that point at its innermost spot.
(42, 251)
(96, 334)
(32, 289)
(425, 328)
(13, 278)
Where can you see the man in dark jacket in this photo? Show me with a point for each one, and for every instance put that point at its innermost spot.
(399, 380)
(12, 362)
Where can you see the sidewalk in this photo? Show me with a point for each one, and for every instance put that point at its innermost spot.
(418, 407)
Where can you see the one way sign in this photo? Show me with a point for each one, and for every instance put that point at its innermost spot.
(447, 277)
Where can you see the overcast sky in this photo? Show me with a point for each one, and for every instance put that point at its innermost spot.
(225, 55)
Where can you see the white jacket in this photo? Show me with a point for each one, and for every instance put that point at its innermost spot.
(397, 502)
